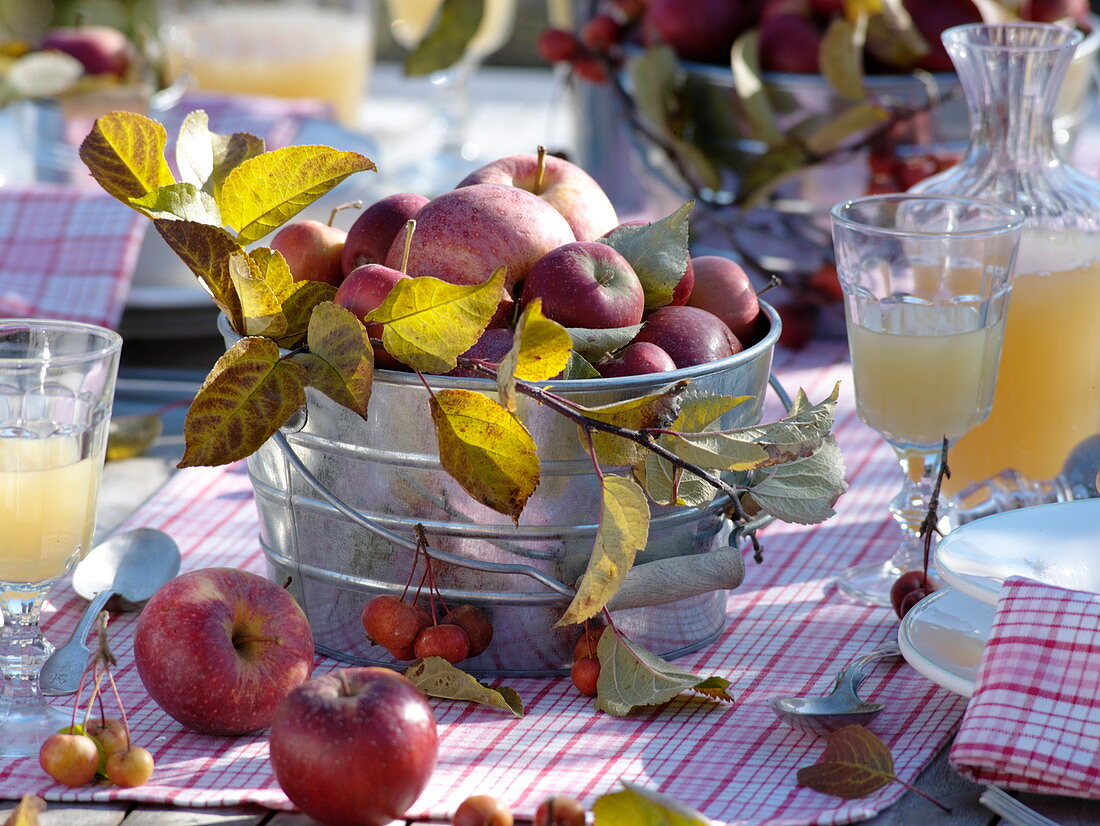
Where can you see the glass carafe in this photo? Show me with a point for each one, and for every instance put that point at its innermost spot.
(1046, 399)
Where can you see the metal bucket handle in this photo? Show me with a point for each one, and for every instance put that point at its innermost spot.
(652, 583)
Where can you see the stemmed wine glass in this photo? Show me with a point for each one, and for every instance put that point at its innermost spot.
(926, 282)
(56, 387)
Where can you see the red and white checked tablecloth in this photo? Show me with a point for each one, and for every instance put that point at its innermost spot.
(1033, 723)
(66, 253)
(788, 632)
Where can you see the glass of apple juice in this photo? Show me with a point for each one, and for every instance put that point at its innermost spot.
(56, 387)
(926, 282)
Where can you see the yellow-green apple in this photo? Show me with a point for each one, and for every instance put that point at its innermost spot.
(355, 747)
(723, 287)
(463, 235)
(493, 346)
(689, 335)
(100, 49)
(312, 250)
(565, 186)
(586, 284)
(219, 648)
(637, 359)
(698, 30)
(364, 289)
(372, 234)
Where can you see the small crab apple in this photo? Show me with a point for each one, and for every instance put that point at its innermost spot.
(559, 811)
(586, 674)
(70, 759)
(392, 622)
(476, 623)
(482, 810)
(586, 644)
(447, 641)
(130, 767)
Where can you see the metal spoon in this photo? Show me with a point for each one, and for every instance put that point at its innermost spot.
(131, 565)
(841, 707)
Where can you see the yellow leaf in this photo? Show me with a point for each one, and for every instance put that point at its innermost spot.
(623, 531)
(298, 305)
(438, 678)
(247, 397)
(184, 202)
(486, 449)
(275, 271)
(340, 360)
(206, 250)
(540, 350)
(752, 96)
(638, 806)
(266, 191)
(260, 307)
(125, 154)
(26, 812)
(657, 410)
(430, 323)
(205, 158)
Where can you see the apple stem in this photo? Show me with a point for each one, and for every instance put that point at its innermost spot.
(773, 282)
(345, 686)
(247, 638)
(341, 208)
(410, 228)
(540, 170)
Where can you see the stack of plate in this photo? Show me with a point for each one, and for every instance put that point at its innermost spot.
(944, 634)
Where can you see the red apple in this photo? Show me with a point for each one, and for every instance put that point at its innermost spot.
(219, 648)
(100, 49)
(1051, 11)
(312, 250)
(364, 289)
(931, 19)
(354, 747)
(637, 359)
(780, 8)
(565, 186)
(723, 287)
(689, 335)
(789, 43)
(683, 287)
(493, 346)
(465, 234)
(586, 284)
(372, 234)
(698, 30)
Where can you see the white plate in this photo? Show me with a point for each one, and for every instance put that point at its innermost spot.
(1057, 544)
(942, 637)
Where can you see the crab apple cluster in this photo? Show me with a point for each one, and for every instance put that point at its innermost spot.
(585, 672)
(597, 46)
(892, 171)
(486, 810)
(909, 589)
(409, 632)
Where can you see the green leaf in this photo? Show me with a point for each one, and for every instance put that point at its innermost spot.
(438, 678)
(752, 95)
(768, 172)
(430, 323)
(579, 368)
(486, 449)
(540, 350)
(246, 398)
(266, 191)
(594, 344)
(205, 158)
(803, 491)
(623, 531)
(700, 409)
(851, 122)
(841, 57)
(656, 410)
(855, 764)
(125, 154)
(340, 361)
(658, 252)
(630, 677)
(638, 806)
(667, 484)
(713, 451)
(206, 250)
(261, 309)
(184, 202)
(445, 43)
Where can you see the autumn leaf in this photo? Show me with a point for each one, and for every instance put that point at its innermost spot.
(593, 344)
(540, 350)
(179, 201)
(658, 253)
(486, 449)
(841, 56)
(656, 410)
(206, 250)
(298, 307)
(639, 806)
(752, 95)
(444, 44)
(205, 158)
(805, 490)
(854, 764)
(245, 398)
(261, 310)
(438, 678)
(623, 531)
(125, 154)
(340, 361)
(26, 811)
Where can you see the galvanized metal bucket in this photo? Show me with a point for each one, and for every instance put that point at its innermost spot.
(339, 499)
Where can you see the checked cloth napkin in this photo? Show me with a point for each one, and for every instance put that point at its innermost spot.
(1033, 723)
(787, 632)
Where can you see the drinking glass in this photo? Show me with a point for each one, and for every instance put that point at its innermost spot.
(56, 386)
(926, 282)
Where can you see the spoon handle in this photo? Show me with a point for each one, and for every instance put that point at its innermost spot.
(855, 673)
(88, 618)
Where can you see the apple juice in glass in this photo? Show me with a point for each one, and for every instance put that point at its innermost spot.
(926, 283)
(56, 387)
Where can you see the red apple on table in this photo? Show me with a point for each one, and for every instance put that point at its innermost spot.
(586, 284)
(637, 359)
(364, 289)
(689, 335)
(312, 250)
(354, 747)
(464, 235)
(219, 648)
(564, 186)
(700, 29)
(100, 49)
(372, 234)
(722, 287)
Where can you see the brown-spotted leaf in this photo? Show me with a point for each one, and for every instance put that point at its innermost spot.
(125, 154)
(245, 398)
(260, 307)
(657, 410)
(444, 44)
(540, 350)
(638, 806)
(298, 306)
(179, 201)
(206, 250)
(438, 678)
(658, 253)
(855, 764)
(26, 811)
(716, 688)
(486, 449)
(622, 532)
(841, 57)
(264, 192)
(430, 323)
(804, 490)
(340, 361)
(274, 270)
(205, 158)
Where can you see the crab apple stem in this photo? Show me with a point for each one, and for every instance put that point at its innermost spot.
(121, 709)
(540, 170)
(341, 208)
(927, 797)
(410, 230)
